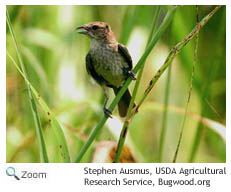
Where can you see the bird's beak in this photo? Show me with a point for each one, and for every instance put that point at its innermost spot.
(82, 29)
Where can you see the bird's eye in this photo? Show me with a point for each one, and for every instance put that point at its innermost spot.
(94, 27)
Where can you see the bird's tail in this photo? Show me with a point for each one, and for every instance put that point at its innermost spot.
(124, 101)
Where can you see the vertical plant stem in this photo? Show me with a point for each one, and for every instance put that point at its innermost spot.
(128, 23)
(190, 89)
(214, 69)
(52, 120)
(91, 138)
(153, 29)
(176, 49)
(41, 141)
(127, 121)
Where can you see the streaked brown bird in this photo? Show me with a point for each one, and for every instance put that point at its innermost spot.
(108, 62)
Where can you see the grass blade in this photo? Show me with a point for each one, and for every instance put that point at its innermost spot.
(38, 128)
(175, 50)
(128, 23)
(190, 89)
(214, 70)
(52, 120)
(127, 120)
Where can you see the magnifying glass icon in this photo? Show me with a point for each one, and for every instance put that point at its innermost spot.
(10, 171)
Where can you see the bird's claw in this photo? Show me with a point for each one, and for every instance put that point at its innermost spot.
(132, 75)
(107, 112)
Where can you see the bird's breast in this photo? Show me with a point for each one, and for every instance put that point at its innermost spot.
(109, 64)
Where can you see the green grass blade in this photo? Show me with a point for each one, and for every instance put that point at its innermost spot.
(190, 89)
(128, 23)
(38, 128)
(36, 66)
(52, 120)
(174, 51)
(214, 69)
(127, 121)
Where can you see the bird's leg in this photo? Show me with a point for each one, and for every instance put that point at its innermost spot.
(106, 111)
(132, 75)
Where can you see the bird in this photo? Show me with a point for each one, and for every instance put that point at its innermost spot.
(108, 62)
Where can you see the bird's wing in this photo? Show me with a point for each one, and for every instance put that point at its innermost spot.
(124, 52)
(91, 71)
(89, 66)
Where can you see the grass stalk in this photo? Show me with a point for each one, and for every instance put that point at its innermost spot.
(206, 109)
(174, 51)
(190, 89)
(140, 63)
(38, 128)
(128, 23)
(52, 120)
(127, 121)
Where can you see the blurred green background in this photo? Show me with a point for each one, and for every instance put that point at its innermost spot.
(54, 57)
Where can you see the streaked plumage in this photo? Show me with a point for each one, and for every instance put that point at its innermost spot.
(108, 62)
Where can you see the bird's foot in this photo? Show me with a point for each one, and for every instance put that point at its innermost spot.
(132, 75)
(107, 112)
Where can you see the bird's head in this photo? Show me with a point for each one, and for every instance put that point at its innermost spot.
(96, 30)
